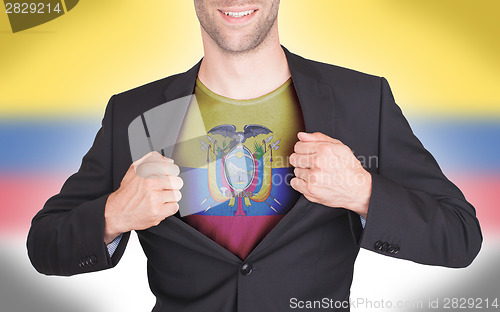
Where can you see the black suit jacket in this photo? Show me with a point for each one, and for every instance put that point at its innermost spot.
(415, 212)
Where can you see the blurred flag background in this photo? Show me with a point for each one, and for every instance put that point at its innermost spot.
(441, 59)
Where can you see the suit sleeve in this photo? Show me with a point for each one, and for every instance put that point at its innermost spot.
(415, 212)
(67, 236)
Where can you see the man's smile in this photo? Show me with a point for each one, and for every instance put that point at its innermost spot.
(237, 16)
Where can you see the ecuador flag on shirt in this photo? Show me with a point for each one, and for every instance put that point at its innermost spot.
(236, 175)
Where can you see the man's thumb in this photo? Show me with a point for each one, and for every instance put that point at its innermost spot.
(316, 137)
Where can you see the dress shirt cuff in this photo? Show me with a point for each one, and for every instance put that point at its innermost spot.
(363, 221)
(112, 246)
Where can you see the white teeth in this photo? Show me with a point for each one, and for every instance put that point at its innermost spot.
(239, 14)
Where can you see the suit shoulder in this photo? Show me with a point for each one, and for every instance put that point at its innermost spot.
(149, 89)
(338, 74)
(130, 104)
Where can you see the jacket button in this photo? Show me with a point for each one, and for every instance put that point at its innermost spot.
(378, 245)
(246, 269)
(93, 260)
(390, 249)
(384, 246)
(396, 249)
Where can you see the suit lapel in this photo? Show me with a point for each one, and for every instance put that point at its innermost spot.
(183, 84)
(316, 99)
(317, 104)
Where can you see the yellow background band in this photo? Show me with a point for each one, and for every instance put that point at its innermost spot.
(440, 57)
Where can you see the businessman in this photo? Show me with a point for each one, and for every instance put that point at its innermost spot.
(267, 194)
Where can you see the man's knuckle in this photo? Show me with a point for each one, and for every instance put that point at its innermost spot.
(173, 169)
(180, 182)
(298, 147)
(154, 210)
(321, 148)
(148, 184)
(172, 208)
(313, 173)
(166, 182)
(310, 198)
(345, 150)
(177, 195)
(309, 188)
(317, 162)
(330, 149)
(171, 183)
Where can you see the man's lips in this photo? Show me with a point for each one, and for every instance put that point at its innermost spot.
(237, 16)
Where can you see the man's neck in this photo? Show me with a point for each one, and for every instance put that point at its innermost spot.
(244, 76)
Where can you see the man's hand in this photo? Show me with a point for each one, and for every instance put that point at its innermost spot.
(327, 172)
(148, 193)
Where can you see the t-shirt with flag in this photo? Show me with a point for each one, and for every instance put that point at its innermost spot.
(233, 156)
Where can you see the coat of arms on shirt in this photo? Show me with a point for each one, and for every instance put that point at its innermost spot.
(238, 171)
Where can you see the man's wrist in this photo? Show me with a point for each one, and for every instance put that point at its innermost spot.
(111, 232)
(362, 201)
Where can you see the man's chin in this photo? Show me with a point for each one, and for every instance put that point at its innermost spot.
(239, 46)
